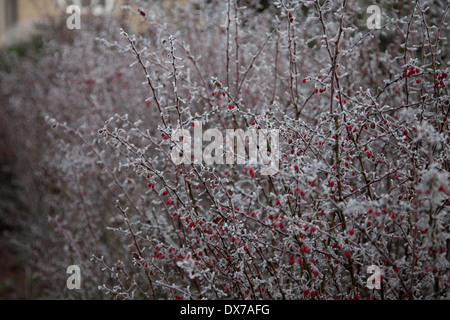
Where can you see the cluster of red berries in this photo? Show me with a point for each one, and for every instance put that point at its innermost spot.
(439, 79)
(320, 90)
(306, 292)
(304, 249)
(159, 255)
(408, 73)
(274, 218)
(317, 90)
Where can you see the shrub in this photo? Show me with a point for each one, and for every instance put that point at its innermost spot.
(364, 168)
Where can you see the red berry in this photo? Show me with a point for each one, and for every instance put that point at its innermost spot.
(142, 13)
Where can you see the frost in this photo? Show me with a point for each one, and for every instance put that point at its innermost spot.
(364, 153)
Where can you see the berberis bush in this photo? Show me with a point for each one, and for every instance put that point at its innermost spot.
(363, 175)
